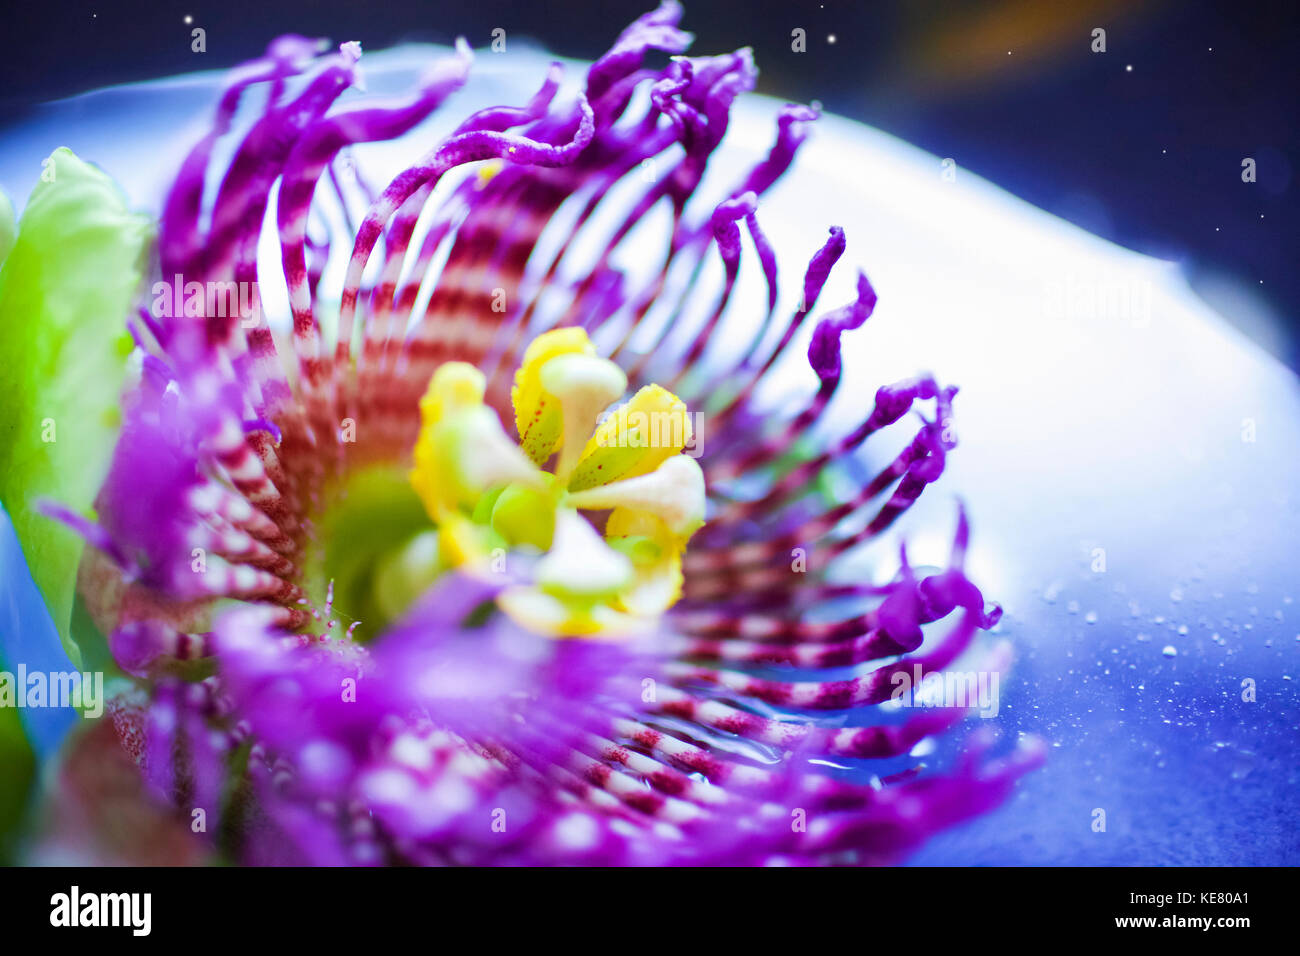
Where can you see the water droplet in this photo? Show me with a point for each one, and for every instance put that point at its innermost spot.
(1243, 762)
(1091, 617)
(1170, 651)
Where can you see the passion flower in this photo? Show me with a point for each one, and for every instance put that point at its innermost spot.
(348, 559)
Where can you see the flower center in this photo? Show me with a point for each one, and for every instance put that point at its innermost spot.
(595, 509)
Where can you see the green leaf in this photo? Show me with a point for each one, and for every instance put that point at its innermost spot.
(65, 290)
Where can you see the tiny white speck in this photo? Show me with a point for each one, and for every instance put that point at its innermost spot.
(1129, 68)
(830, 38)
(188, 18)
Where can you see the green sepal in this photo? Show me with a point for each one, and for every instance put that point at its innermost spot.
(66, 287)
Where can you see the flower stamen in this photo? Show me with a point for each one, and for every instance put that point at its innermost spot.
(486, 493)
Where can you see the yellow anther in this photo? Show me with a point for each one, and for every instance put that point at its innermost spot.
(538, 417)
(637, 438)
